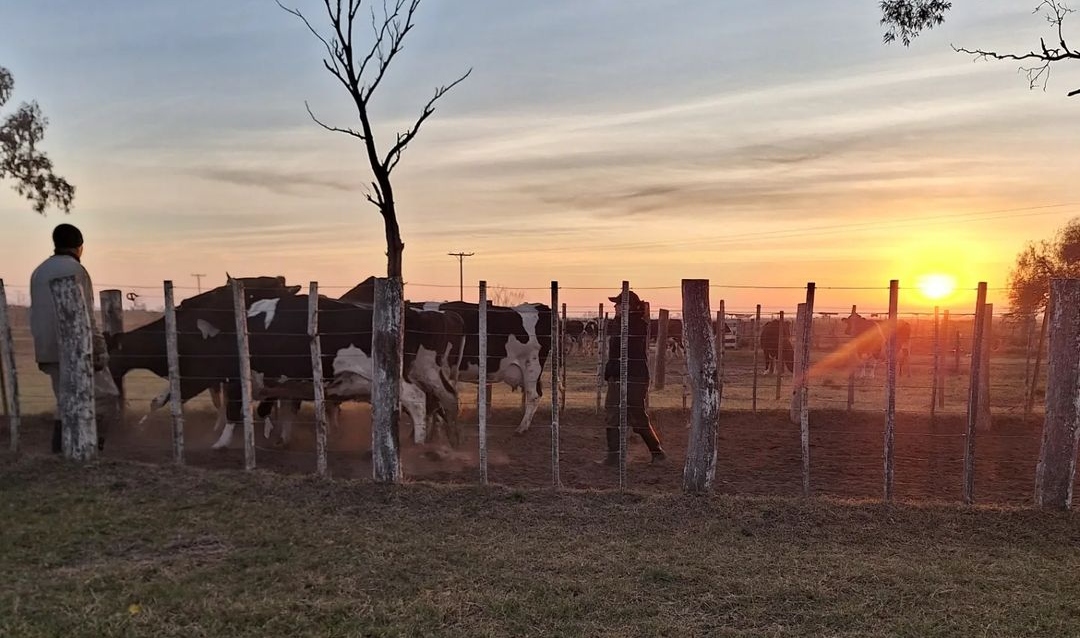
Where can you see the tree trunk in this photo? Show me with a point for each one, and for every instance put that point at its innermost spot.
(1057, 459)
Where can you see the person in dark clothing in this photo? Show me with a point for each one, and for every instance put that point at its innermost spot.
(637, 381)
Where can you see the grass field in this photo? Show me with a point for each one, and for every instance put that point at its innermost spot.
(123, 549)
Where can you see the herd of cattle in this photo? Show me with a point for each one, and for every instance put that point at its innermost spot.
(441, 348)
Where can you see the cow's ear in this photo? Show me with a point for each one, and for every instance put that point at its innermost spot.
(293, 289)
(207, 329)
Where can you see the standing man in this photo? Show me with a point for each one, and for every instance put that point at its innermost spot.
(637, 381)
(65, 261)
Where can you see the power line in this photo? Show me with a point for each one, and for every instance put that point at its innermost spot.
(461, 272)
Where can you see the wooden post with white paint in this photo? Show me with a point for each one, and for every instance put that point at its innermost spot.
(757, 346)
(10, 375)
(1029, 405)
(779, 367)
(699, 338)
(804, 384)
(624, 371)
(720, 333)
(601, 353)
(482, 386)
(386, 350)
(76, 400)
(1056, 470)
(317, 387)
(172, 355)
(984, 417)
(973, 396)
(851, 374)
(240, 314)
(557, 393)
(890, 390)
(660, 360)
(795, 408)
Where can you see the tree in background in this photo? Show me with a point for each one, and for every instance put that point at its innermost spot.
(905, 19)
(360, 67)
(1038, 263)
(20, 158)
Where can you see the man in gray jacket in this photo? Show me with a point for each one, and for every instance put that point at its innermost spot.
(68, 250)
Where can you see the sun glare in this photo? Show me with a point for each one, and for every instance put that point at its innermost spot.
(937, 286)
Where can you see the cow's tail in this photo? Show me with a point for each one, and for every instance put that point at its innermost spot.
(460, 358)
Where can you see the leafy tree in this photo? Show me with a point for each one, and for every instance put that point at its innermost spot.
(20, 159)
(1038, 263)
(905, 19)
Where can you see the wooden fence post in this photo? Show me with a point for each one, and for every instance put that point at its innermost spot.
(851, 378)
(482, 387)
(386, 354)
(804, 384)
(779, 367)
(1029, 405)
(956, 351)
(660, 361)
(721, 327)
(557, 394)
(601, 353)
(172, 354)
(317, 386)
(935, 371)
(8, 373)
(112, 323)
(240, 314)
(624, 345)
(984, 418)
(1061, 427)
(76, 400)
(699, 337)
(757, 346)
(973, 396)
(890, 390)
(796, 398)
(562, 354)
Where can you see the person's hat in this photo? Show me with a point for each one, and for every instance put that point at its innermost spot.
(636, 304)
(66, 237)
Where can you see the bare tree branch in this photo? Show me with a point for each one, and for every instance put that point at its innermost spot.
(403, 139)
(347, 131)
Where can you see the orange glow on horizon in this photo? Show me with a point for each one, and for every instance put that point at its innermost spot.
(936, 286)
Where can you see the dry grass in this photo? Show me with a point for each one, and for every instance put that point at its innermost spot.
(121, 549)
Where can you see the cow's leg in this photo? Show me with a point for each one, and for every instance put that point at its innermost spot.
(333, 411)
(233, 414)
(531, 391)
(287, 411)
(265, 411)
(428, 375)
(414, 402)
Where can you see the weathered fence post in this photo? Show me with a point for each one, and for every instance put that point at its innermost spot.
(76, 401)
(1061, 428)
(804, 383)
(757, 346)
(984, 418)
(624, 353)
(9, 376)
(721, 326)
(112, 323)
(890, 390)
(779, 367)
(482, 386)
(562, 355)
(240, 313)
(557, 393)
(172, 354)
(1029, 405)
(317, 387)
(973, 396)
(941, 375)
(956, 351)
(935, 380)
(601, 353)
(660, 361)
(700, 467)
(386, 355)
(793, 410)
(851, 378)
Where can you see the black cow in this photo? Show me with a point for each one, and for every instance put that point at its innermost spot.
(870, 340)
(770, 346)
(575, 335)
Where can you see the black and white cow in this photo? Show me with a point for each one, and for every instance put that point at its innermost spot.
(870, 339)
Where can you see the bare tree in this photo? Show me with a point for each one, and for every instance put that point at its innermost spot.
(905, 19)
(360, 66)
(506, 297)
(20, 158)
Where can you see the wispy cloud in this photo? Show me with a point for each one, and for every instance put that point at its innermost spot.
(275, 181)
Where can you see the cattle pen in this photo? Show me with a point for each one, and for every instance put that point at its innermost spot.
(972, 406)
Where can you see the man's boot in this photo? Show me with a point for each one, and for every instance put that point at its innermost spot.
(57, 437)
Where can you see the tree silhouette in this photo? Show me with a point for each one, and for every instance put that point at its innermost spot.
(20, 159)
(905, 19)
(1038, 263)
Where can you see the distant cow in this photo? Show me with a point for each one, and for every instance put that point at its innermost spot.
(771, 346)
(575, 334)
(870, 339)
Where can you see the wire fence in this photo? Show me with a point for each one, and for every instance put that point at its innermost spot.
(759, 450)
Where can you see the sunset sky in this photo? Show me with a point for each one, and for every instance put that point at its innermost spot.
(759, 145)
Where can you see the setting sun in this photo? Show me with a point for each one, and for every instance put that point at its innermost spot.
(937, 286)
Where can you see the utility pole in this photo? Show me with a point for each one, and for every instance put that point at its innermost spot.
(461, 272)
(198, 281)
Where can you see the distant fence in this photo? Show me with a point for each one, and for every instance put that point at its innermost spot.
(952, 361)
